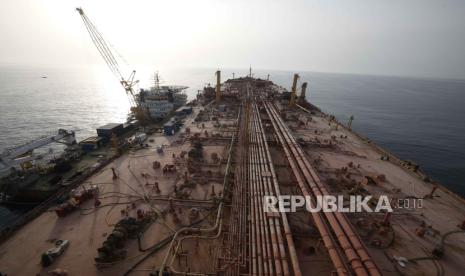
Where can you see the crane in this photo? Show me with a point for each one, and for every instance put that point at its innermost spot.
(109, 58)
(10, 158)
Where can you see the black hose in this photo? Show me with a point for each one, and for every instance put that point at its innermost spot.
(443, 239)
(439, 252)
(162, 242)
(159, 245)
(153, 249)
(437, 264)
(94, 209)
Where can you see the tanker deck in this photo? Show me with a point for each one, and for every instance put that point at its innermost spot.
(193, 203)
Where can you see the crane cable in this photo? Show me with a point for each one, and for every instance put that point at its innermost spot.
(108, 57)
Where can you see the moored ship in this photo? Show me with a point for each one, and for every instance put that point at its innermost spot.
(162, 100)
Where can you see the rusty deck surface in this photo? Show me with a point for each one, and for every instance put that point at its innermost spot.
(207, 216)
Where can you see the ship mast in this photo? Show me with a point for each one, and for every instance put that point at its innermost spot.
(156, 79)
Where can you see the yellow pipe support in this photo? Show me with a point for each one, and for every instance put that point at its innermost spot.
(218, 87)
(293, 91)
(303, 90)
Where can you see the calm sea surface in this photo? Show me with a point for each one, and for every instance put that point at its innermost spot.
(418, 119)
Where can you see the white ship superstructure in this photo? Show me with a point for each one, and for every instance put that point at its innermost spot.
(160, 101)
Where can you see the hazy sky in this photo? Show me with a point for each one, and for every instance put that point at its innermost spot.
(391, 37)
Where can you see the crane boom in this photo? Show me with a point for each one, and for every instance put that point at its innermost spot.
(110, 60)
(11, 157)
